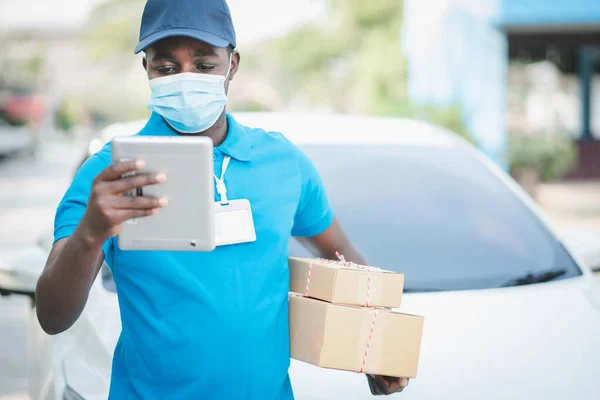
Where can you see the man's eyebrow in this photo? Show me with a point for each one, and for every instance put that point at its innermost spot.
(164, 56)
(202, 52)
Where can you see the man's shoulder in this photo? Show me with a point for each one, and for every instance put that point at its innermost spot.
(104, 156)
(95, 164)
(269, 140)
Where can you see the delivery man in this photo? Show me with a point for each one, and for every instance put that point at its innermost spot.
(194, 325)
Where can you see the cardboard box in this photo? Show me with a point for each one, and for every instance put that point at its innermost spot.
(340, 284)
(354, 338)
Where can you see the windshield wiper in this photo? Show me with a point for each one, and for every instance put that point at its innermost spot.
(530, 278)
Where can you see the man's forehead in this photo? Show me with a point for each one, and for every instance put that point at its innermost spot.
(179, 43)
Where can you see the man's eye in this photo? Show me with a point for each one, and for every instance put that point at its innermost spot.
(166, 70)
(205, 67)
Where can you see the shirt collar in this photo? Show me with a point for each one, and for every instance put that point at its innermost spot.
(236, 145)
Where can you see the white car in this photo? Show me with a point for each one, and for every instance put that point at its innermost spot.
(17, 138)
(511, 311)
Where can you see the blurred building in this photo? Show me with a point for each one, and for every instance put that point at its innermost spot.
(463, 52)
(54, 37)
(566, 36)
(46, 36)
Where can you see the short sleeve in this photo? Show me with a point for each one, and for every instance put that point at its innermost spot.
(72, 206)
(314, 213)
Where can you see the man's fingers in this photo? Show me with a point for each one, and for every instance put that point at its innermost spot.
(119, 168)
(394, 385)
(135, 181)
(138, 202)
(387, 384)
(375, 385)
(124, 215)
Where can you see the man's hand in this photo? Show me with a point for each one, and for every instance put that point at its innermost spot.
(107, 208)
(384, 385)
(326, 245)
(74, 261)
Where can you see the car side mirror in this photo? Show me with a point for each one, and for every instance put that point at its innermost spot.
(20, 269)
(585, 245)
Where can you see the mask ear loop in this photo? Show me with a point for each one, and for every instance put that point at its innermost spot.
(229, 68)
(228, 73)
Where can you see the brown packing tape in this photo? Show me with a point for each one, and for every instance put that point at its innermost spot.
(373, 290)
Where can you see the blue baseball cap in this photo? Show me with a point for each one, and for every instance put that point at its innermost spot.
(206, 20)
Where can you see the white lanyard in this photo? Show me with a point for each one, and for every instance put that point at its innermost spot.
(221, 188)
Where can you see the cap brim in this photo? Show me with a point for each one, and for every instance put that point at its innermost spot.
(206, 37)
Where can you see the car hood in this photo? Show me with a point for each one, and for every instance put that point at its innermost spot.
(530, 342)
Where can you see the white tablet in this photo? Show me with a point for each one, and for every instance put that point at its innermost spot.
(188, 222)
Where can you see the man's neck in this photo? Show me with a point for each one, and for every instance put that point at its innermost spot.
(217, 132)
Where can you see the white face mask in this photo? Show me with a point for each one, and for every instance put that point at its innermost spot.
(189, 102)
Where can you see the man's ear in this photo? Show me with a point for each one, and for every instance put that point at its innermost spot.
(235, 63)
(145, 63)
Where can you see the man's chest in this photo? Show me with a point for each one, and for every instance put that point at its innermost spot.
(273, 187)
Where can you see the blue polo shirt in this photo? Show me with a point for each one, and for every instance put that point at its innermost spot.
(212, 325)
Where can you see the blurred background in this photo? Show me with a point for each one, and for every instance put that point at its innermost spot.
(518, 78)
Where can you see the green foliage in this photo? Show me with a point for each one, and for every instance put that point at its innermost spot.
(369, 14)
(550, 155)
(65, 118)
(251, 106)
(354, 64)
(114, 29)
(448, 117)
(31, 67)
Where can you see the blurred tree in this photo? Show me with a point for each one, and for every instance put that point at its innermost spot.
(549, 155)
(65, 118)
(351, 64)
(110, 38)
(354, 63)
(114, 29)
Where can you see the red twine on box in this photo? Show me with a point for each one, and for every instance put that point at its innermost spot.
(364, 361)
(363, 267)
(342, 261)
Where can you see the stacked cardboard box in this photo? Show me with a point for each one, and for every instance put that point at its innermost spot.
(341, 317)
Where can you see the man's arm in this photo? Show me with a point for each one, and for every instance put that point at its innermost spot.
(65, 284)
(328, 243)
(317, 229)
(74, 261)
(325, 245)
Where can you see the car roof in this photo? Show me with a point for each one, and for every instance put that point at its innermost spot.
(326, 128)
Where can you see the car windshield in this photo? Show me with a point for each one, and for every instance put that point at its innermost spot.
(436, 214)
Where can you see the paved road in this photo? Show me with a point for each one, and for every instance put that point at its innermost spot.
(30, 189)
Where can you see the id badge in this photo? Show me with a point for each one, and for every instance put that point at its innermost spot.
(234, 223)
